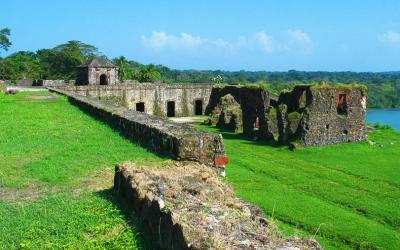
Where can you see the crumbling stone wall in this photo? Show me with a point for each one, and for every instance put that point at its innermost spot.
(227, 114)
(314, 116)
(187, 206)
(154, 97)
(255, 103)
(182, 142)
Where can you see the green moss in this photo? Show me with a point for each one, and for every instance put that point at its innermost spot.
(345, 87)
(294, 116)
(272, 111)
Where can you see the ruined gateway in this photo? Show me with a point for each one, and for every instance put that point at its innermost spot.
(311, 115)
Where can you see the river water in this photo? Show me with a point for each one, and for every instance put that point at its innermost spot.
(384, 116)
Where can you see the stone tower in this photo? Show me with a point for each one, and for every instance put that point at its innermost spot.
(97, 71)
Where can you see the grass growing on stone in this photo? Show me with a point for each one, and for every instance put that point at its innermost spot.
(347, 195)
(56, 171)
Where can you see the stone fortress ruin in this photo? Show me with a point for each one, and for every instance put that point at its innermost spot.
(185, 204)
(311, 115)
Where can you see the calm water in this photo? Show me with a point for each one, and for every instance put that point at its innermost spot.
(385, 116)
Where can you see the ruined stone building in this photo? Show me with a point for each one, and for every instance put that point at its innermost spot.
(311, 115)
(323, 114)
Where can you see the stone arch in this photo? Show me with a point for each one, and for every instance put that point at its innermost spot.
(103, 79)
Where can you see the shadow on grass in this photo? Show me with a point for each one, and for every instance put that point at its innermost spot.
(144, 237)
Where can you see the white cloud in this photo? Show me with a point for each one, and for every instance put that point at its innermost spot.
(290, 40)
(265, 41)
(159, 40)
(299, 36)
(391, 38)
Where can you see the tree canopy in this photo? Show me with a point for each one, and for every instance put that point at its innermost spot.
(4, 40)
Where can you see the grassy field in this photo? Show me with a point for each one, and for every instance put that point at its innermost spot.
(56, 170)
(348, 195)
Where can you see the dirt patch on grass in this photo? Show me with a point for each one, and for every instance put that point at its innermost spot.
(41, 97)
(25, 195)
(100, 180)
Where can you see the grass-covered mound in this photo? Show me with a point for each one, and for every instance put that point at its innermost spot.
(56, 171)
(347, 195)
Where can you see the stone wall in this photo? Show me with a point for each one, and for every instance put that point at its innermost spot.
(315, 118)
(182, 142)
(154, 97)
(187, 206)
(255, 103)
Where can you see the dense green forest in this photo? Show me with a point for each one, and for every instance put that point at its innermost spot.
(60, 63)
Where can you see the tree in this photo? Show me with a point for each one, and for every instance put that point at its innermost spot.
(148, 73)
(61, 61)
(4, 41)
(125, 70)
(20, 65)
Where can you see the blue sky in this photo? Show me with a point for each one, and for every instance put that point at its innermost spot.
(362, 35)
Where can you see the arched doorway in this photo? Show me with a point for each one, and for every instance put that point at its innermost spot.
(103, 80)
(171, 109)
(198, 107)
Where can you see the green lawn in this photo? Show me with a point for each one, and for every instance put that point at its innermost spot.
(347, 195)
(56, 171)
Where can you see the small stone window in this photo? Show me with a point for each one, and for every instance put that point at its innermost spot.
(341, 104)
(140, 106)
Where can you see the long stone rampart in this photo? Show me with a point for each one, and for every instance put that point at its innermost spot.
(181, 142)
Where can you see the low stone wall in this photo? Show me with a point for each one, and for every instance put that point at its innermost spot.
(187, 206)
(54, 83)
(182, 142)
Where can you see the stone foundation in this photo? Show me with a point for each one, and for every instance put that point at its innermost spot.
(187, 206)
